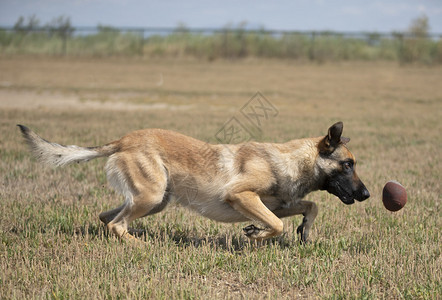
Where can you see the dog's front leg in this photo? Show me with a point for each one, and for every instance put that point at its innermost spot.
(308, 209)
(250, 205)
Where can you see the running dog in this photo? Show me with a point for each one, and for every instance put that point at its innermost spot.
(262, 182)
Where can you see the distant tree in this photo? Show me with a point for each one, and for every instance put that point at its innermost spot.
(417, 47)
(20, 24)
(60, 26)
(22, 27)
(106, 29)
(374, 38)
(420, 27)
(181, 28)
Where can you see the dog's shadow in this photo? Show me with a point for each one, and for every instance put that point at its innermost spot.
(233, 243)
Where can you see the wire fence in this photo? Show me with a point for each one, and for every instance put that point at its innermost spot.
(212, 44)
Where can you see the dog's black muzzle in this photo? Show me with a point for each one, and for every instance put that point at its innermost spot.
(347, 195)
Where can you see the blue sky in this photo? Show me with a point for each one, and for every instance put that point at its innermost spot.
(340, 15)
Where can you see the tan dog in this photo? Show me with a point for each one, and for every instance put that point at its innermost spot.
(262, 182)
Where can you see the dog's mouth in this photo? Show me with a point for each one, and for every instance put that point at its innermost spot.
(347, 199)
(343, 195)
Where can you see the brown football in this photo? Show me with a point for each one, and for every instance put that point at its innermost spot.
(394, 196)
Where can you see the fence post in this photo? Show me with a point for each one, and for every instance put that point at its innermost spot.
(141, 47)
(400, 49)
(225, 41)
(311, 53)
(64, 44)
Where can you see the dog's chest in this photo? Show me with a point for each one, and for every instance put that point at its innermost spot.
(288, 190)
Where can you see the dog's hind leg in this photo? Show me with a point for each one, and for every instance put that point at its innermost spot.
(308, 209)
(141, 205)
(143, 182)
(108, 216)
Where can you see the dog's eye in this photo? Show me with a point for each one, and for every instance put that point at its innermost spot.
(347, 166)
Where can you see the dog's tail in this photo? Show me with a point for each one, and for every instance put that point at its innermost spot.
(59, 155)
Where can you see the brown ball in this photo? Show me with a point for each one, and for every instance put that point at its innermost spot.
(394, 196)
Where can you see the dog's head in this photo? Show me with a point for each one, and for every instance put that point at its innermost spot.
(338, 166)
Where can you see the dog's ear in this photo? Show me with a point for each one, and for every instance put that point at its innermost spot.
(345, 140)
(333, 138)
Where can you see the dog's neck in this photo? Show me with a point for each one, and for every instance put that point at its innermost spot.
(296, 166)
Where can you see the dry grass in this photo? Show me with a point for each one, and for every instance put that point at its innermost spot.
(53, 246)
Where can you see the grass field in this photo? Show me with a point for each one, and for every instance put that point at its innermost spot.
(53, 245)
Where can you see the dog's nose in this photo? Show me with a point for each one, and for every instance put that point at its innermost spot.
(365, 194)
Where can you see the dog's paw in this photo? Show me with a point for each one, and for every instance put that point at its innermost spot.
(252, 231)
(303, 234)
